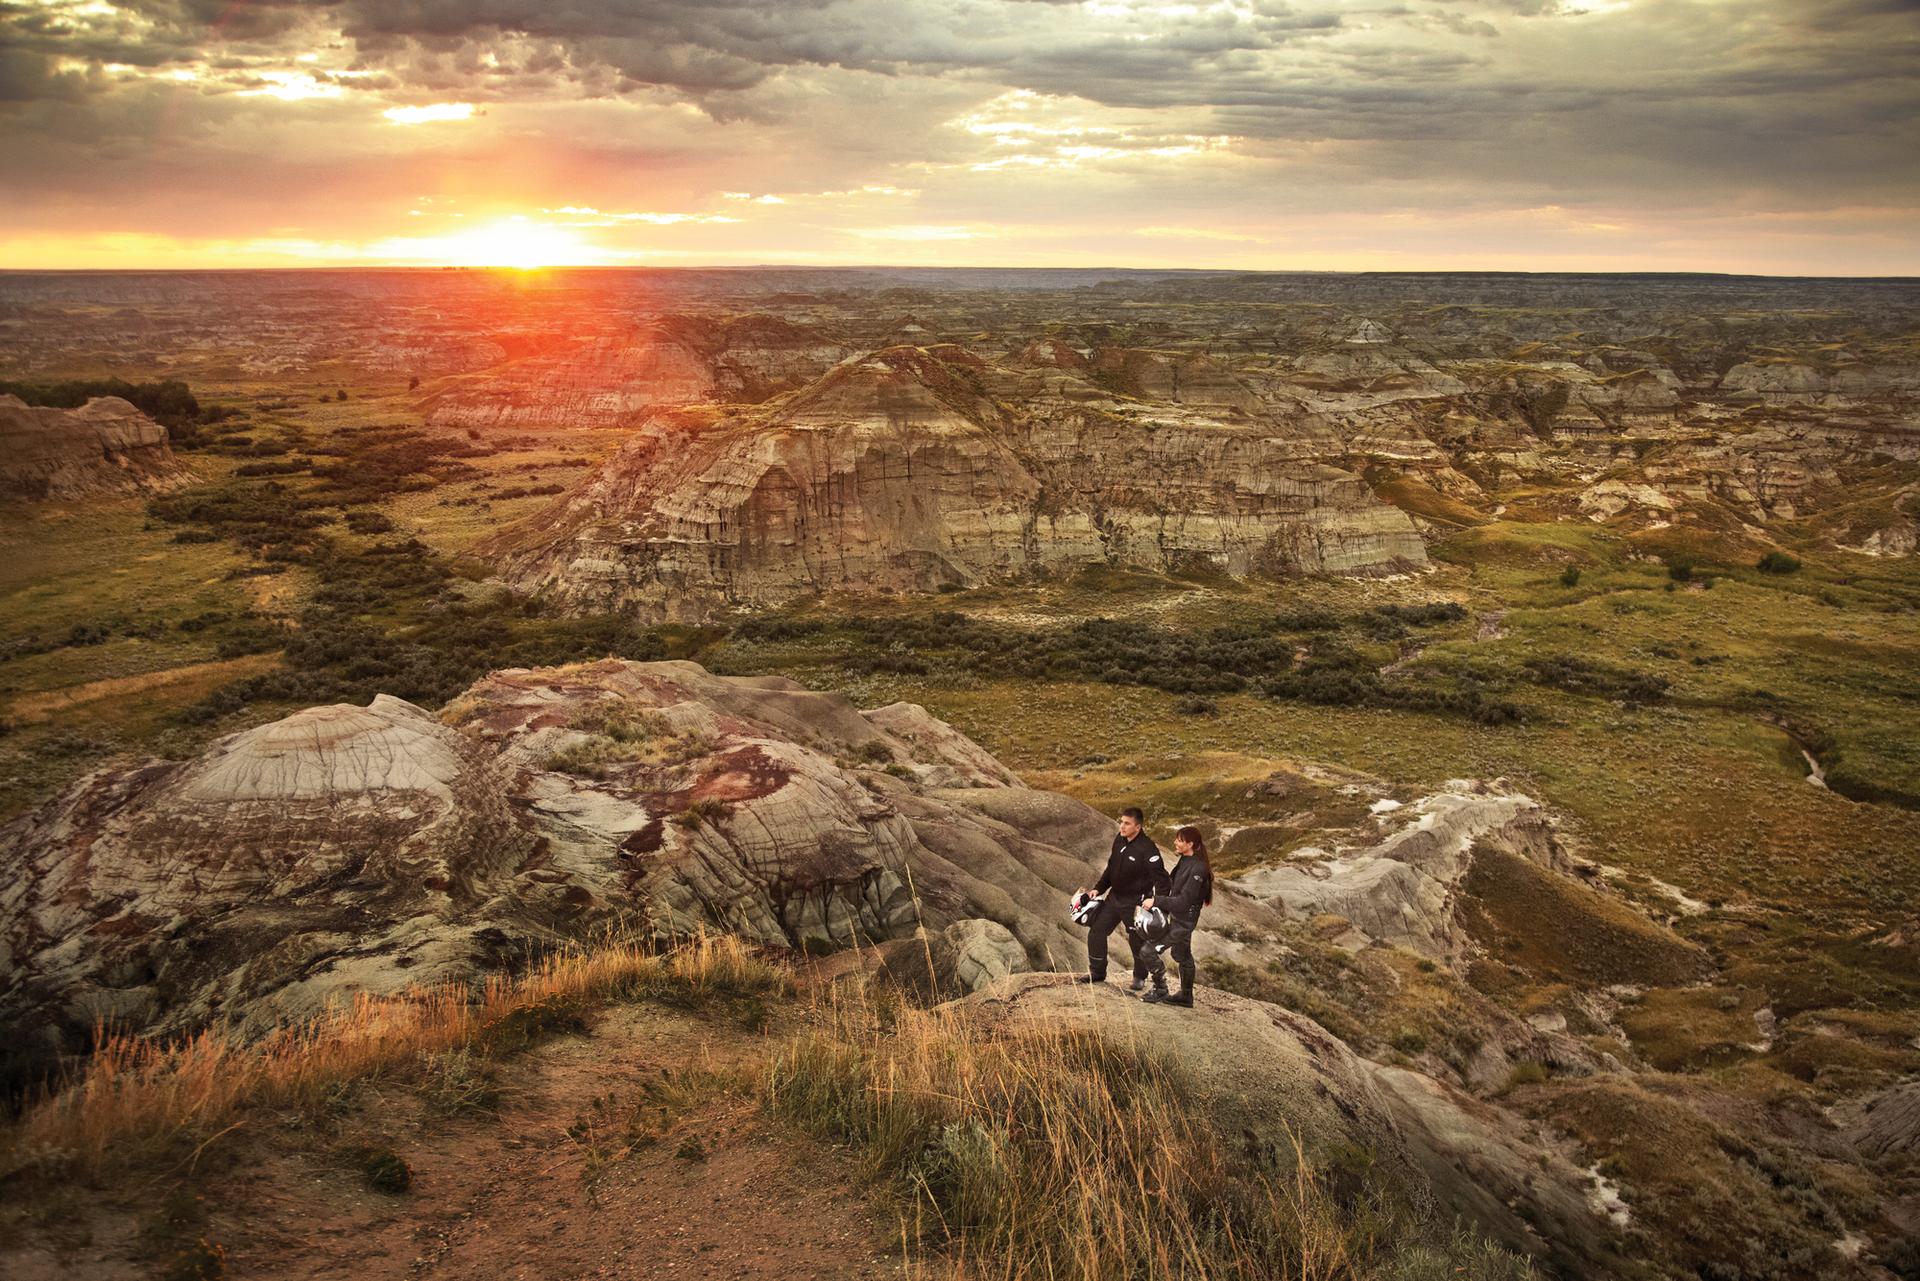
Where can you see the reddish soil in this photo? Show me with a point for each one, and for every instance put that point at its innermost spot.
(720, 1193)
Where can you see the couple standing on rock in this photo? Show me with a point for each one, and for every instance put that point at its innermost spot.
(1160, 908)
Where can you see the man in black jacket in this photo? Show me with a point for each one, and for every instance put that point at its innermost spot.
(1134, 872)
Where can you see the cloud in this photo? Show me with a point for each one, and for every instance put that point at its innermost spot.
(429, 113)
(819, 119)
(921, 233)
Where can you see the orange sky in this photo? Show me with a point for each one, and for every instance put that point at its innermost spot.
(1709, 135)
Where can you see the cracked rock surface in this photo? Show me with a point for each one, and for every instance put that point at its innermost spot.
(346, 849)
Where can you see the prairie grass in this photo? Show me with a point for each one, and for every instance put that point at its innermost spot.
(137, 1100)
(1048, 1152)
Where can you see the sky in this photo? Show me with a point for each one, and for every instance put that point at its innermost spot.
(1769, 136)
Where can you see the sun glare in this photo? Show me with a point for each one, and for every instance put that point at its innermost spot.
(430, 113)
(517, 242)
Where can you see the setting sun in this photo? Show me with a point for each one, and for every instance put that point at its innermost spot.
(516, 242)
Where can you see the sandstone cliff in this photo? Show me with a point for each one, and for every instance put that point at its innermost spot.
(915, 469)
(104, 447)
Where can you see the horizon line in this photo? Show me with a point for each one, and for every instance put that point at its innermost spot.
(884, 266)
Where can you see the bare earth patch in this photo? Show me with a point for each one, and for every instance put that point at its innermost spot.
(534, 1190)
(35, 708)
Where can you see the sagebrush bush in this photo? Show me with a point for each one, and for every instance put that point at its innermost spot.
(1200, 663)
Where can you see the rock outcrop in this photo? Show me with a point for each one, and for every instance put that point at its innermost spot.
(106, 446)
(346, 849)
(1400, 885)
(917, 469)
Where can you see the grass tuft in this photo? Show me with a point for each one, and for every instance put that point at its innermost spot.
(1054, 1153)
(138, 1100)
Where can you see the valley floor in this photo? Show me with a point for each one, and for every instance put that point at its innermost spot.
(1669, 721)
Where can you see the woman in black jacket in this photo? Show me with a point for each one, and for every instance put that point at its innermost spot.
(1192, 890)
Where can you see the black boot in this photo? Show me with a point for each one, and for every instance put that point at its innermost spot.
(1159, 992)
(1091, 978)
(1138, 985)
(1184, 997)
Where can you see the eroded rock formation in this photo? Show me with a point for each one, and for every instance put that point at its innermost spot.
(348, 849)
(104, 447)
(1399, 884)
(915, 469)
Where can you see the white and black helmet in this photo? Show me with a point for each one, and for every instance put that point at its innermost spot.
(1151, 924)
(1081, 907)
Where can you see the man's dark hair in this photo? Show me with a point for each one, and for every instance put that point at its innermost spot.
(1133, 812)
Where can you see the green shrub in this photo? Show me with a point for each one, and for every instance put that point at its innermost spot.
(1570, 576)
(1585, 676)
(1777, 562)
(169, 403)
(705, 811)
(1225, 659)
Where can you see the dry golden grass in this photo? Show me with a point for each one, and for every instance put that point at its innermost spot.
(1051, 1153)
(138, 1099)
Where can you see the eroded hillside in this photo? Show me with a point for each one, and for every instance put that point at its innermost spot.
(1536, 653)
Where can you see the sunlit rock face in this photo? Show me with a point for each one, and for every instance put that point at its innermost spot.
(921, 468)
(104, 447)
(1400, 884)
(368, 849)
(617, 380)
(1839, 382)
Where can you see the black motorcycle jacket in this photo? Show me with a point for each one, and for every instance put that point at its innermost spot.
(1192, 886)
(1134, 870)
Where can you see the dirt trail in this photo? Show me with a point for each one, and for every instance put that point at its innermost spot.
(721, 1193)
(38, 707)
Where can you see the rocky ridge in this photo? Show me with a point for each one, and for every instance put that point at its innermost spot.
(927, 465)
(345, 849)
(921, 468)
(106, 446)
(373, 849)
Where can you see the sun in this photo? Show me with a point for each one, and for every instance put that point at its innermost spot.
(519, 243)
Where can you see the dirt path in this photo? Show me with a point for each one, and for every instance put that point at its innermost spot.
(719, 1193)
(38, 707)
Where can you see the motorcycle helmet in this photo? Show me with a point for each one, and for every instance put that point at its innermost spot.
(1081, 907)
(1151, 924)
